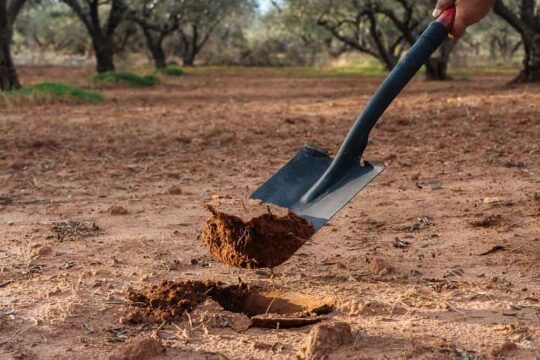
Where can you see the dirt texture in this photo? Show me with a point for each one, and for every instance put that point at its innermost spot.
(139, 348)
(225, 131)
(250, 234)
(170, 301)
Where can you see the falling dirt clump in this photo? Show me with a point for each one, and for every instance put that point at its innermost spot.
(250, 234)
(169, 300)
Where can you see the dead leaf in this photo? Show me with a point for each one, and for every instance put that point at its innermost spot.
(63, 174)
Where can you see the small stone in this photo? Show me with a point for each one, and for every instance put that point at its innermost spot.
(492, 200)
(10, 222)
(261, 346)
(44, 251)
(380, 267)
(63, 174)
(501, 350)
(175, 190)
(138, 348)
(117, 210)
(325, 339)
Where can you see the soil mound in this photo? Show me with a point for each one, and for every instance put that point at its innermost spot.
(138, 348)
(169, 300)
(250, 234)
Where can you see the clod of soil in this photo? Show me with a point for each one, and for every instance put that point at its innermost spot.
(324, 339)
(138, 348)
(490, 221)
(169, 301)
(251, 235)
(117, 210)
(380, 267)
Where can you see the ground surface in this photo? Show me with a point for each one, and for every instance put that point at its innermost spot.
(141, 165)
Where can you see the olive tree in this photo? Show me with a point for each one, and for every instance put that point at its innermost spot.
(158, 19)
(383, 29)
(199, 20)
(101, 31)
(9, 9)
(524, 17)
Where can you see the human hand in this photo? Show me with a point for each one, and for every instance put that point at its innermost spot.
(468, 12)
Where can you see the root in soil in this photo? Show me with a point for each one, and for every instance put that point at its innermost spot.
(250, 234)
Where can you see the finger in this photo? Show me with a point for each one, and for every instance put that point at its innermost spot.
(441, 6)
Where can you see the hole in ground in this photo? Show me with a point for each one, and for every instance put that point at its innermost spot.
(169, 301)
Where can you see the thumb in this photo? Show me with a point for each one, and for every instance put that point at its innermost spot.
(441, 6)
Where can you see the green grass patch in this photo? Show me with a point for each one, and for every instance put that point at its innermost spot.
(171, 71)
(54, 91)
(343, 71)
(127, 78)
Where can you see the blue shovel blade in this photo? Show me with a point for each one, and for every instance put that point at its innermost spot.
(287, 187)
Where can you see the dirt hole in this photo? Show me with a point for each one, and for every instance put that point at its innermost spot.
(170, 301)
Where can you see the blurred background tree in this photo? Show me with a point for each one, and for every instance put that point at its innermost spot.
(259, 33)
(9, 10)
(524, 17)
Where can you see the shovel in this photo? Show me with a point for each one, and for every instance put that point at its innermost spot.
(315, 186)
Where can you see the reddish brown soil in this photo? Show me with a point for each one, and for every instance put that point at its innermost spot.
(169, 301)
(455, 290)
(252, 235)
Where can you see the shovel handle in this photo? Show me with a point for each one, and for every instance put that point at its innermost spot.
(356, 141)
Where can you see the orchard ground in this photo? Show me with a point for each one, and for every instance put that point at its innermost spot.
(454, 219)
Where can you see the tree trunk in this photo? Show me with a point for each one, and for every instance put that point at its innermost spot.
(531, 63)
(104, 55)
(188, 58)
(436, 69)
(8, 73)
(156, 49)
(527, 24)
(437, 66)
(160, 60)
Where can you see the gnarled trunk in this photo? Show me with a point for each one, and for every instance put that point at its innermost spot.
(159, 57)
(8, 73)
(188, 59)
(104, 55)
(526, 21)
(437, 66)
(155, 45)
(531, 63)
